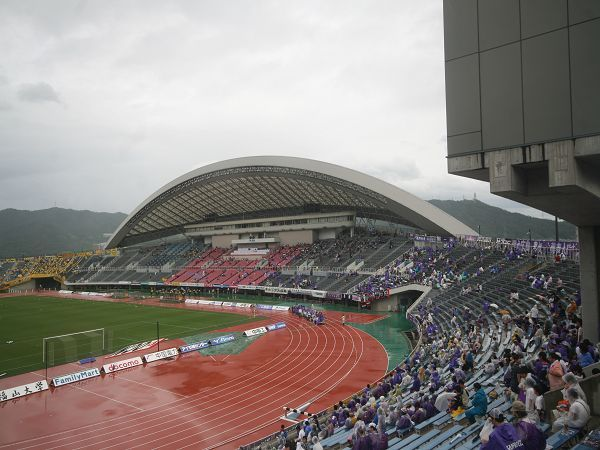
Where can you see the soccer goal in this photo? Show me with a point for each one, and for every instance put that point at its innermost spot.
(73, 346)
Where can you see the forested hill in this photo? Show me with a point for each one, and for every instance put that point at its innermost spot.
(497, 222)
(53, 230)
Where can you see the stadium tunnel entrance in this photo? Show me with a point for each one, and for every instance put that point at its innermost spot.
(47, 283)
(401, 299)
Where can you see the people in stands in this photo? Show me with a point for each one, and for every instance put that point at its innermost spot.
(442, 402)
(571, 381)
(379, 439)
(530, 397)
(571, 309)
(555, 371)
(362, 441)
(527, 431)
(282, 436)
(404, 422)
(585, 355)
(444, 355)
(577, 416)
(503, 436)
(479, 404)
(539, 402)
(302, 444)
(316, 444)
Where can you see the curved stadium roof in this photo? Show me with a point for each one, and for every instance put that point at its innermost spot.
(270, 186)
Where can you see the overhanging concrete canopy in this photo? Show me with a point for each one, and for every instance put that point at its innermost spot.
(269, 186)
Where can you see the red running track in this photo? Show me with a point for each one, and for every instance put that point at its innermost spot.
(197, 401)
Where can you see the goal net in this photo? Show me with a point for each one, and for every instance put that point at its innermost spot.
(73, 346)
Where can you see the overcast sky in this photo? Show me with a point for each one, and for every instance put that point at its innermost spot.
(103, 102)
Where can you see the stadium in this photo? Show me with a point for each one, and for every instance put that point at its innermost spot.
(277, 302)
(246, 241)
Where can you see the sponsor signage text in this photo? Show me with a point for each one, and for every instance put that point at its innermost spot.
(255, 331)
(77, 376)
(193, 347)
(167, 353)
(123, 364)
(21, 391)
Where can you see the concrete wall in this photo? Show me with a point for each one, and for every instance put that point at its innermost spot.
(399, 300)
(389, 304)
(30, 285)
(327, 234)
(296, 237)
(223, 241)
(520, 72)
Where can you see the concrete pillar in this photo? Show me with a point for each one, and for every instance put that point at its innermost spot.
(589, 249)
(504, 176)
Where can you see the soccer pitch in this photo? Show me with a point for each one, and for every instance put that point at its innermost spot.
(26, 321)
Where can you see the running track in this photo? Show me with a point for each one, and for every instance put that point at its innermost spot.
(197, 401)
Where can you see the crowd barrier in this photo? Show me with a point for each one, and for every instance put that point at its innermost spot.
(74, 377)
(162, 354)
(23, 390)
(255, 331)
(192, 301)
(123, 364)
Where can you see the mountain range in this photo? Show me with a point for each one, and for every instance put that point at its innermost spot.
(57, 230)
(497, 222)
(53, 230)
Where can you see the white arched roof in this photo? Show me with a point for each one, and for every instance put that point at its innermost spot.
(268, 186)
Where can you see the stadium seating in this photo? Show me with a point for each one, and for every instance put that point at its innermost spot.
(498, 274)
(471, 304)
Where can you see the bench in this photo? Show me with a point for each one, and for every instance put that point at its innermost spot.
(463, 436)
(445, 435)
(420, 426)
(403, 442)
(557, 440)
(422, 440)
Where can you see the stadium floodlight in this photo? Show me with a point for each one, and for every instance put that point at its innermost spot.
(73, 346)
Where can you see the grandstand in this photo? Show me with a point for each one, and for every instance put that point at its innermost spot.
(454, 323)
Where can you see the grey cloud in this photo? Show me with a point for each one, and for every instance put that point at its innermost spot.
(155, 88)
(37, 93)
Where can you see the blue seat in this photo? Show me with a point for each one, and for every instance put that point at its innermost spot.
(393, 441)
(467, 433)
(421, 441)
(334, 439)
(583, 447)
(420, 426)
(470, 444)
(403, 442)
(403, 431)
(559, 439)
(442, 420)
(444, 435)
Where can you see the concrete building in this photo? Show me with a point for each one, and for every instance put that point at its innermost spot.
(523, 112)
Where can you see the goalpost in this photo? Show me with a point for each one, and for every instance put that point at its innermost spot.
(73, 346)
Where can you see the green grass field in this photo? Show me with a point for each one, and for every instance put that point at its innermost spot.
(27, 320)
